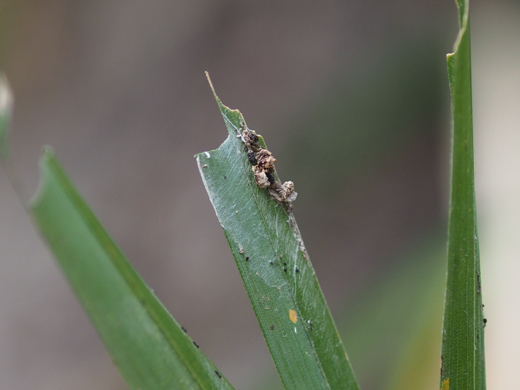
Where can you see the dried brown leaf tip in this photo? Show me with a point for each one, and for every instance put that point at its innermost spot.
(263, 161)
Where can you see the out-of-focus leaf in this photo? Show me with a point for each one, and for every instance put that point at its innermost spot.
(6, 106)
(393, 327)
(275, 267)
(147, 345)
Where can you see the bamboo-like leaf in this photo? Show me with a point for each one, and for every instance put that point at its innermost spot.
(275, 267)
(147, 345)
(463, 362)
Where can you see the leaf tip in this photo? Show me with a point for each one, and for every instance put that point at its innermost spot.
(232, 117)
(46, 158)
(213, 89)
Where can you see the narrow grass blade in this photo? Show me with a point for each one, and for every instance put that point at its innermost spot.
(463, 362)
(147, 345)
(275, 267)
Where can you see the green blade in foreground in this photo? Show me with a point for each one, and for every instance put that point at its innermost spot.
(147, 345)
(463, 360)
(275, 268)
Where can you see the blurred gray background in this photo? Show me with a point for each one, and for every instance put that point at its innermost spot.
(352, 99)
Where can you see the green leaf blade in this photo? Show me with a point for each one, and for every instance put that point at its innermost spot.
(463, 360)
(147, 345)
(275, 267)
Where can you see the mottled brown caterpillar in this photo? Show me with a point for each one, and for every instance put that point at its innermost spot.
(262, 161)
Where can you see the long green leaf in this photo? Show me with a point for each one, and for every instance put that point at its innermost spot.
(275, 267)
(148, 346)
(463, 362)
